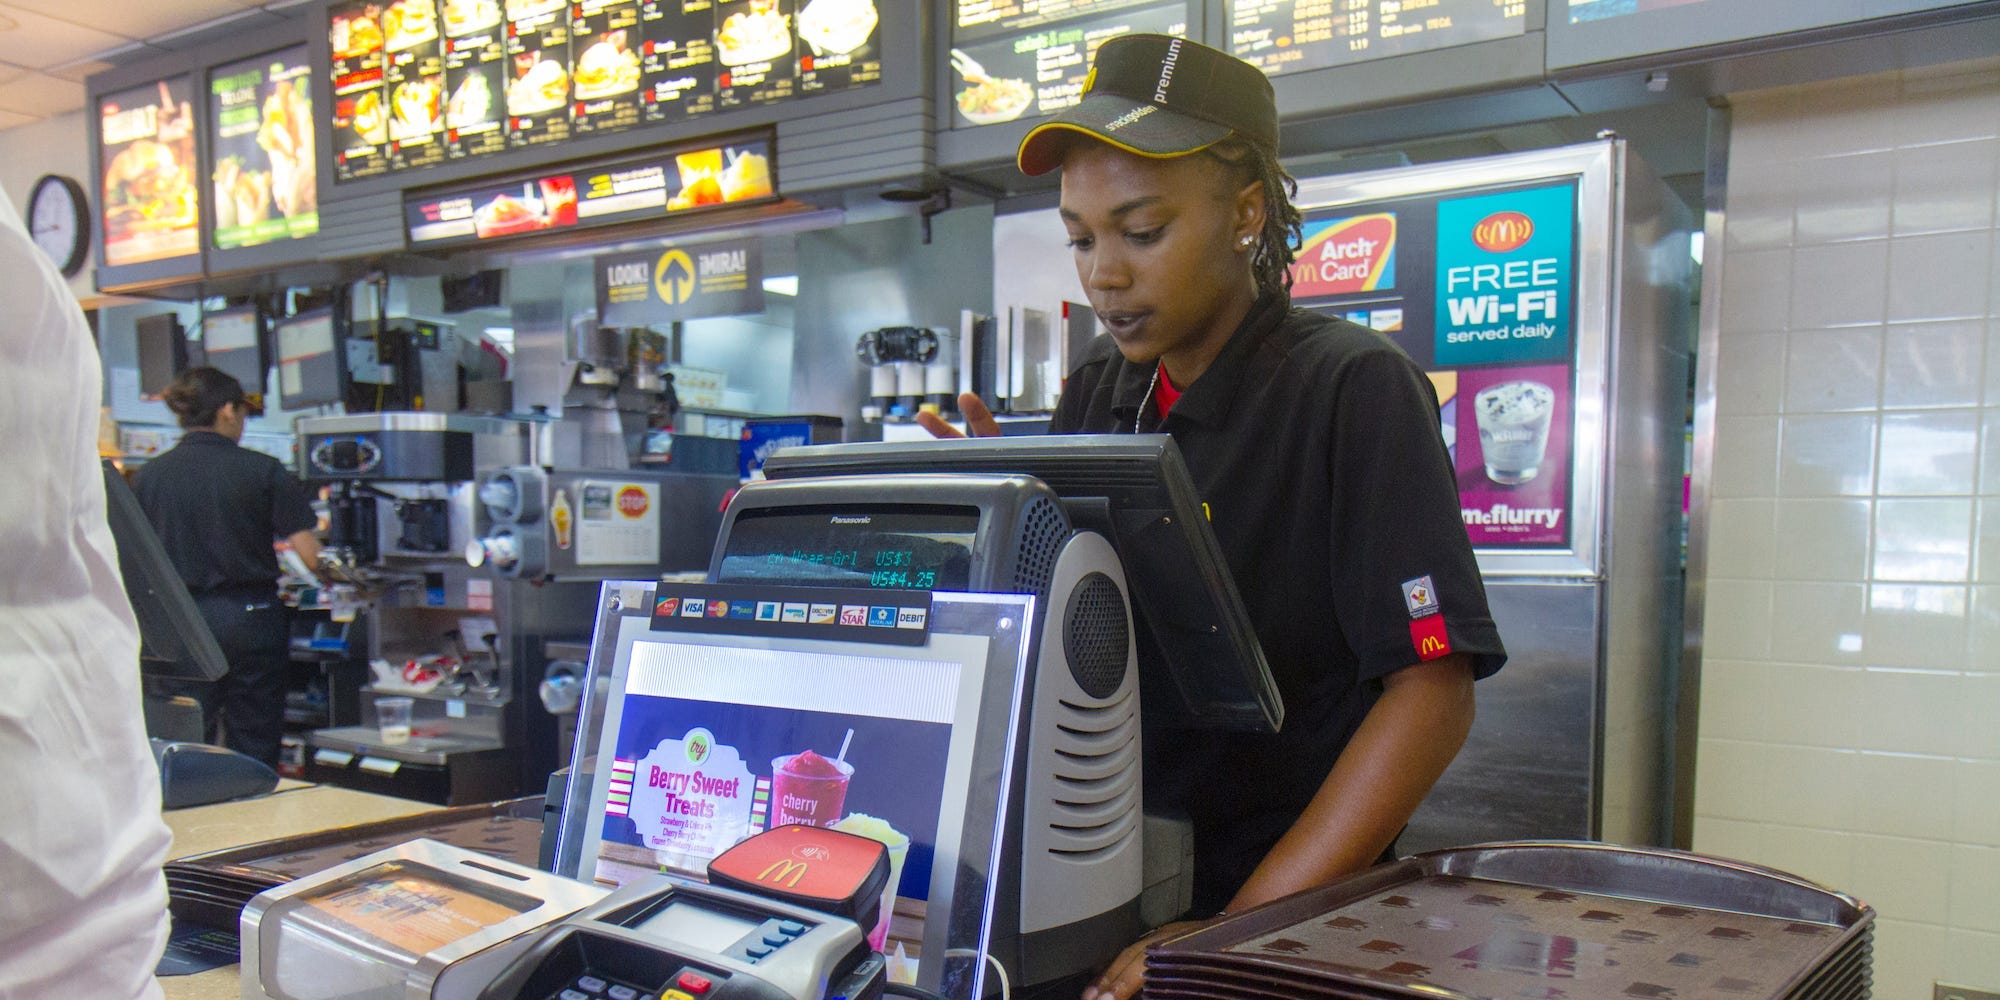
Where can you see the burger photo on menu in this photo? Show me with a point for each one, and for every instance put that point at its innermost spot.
(606, 67)
(541, 87)
(759, 34)
(507, 215)
(416, 104)
(472, 103)
(147, 187)
(355, 36)
(409, 22)
(466, 16)
(837, 27)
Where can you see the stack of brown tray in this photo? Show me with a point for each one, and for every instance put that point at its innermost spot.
(211, 889)
(1534, 921)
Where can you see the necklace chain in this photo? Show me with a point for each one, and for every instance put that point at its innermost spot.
(1143, 403)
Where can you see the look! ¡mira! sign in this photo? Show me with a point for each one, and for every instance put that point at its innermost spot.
(653, 287)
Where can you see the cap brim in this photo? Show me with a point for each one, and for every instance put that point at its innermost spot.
(1138, 127)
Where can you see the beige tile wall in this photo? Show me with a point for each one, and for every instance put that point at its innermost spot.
(1850, 704)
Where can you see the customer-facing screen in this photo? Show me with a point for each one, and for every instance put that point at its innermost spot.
(713, 743)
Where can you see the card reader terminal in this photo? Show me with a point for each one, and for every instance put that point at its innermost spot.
(668, 938)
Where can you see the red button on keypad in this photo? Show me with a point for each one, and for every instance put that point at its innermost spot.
(693, 983)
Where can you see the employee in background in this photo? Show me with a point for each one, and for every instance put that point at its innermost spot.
(218, 507)
(83, 907)
(1315, 445)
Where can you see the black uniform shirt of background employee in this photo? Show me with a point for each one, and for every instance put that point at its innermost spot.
(217, 508)
(1316, 445)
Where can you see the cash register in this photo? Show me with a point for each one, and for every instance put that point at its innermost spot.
(941, 659)
(939, 662)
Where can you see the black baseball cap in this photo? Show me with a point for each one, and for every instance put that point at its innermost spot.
(1159, 96)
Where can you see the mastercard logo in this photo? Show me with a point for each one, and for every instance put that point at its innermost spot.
(1503, 231)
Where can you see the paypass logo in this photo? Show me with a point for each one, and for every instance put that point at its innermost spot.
(1503, 232)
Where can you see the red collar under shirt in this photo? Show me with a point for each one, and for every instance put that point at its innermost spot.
(1164, 393)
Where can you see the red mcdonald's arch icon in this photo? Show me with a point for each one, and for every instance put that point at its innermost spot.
(1427, 634)
(1503, 231)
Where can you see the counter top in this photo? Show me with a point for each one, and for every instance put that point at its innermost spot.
(296, 807)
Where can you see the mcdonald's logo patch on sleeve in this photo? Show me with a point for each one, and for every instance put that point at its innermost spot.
(1427, 634)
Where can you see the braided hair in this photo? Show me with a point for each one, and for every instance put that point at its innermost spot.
(1278, 243)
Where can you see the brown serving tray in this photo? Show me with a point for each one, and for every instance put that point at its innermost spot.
(1533, 920)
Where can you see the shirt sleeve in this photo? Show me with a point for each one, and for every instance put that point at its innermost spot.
(291, 509)
(1406, 585)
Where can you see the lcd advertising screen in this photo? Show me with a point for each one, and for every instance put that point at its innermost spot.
(1023, 58)
(151, 201)
(360, 121)
(1282, 36)
(629, 191)
(1479, 287)
(1582, 32)
(261, 131)
(416, 85)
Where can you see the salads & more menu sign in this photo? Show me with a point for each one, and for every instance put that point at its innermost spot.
(421, 82)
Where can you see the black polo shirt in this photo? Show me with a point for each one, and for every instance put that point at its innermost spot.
(1315, 443)
(217, 507)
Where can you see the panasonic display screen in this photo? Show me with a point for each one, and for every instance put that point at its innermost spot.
(919, 547)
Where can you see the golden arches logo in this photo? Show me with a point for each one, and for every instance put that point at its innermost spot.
(674, 288)
(782, 869)
(1503, 231)
(1432, 646)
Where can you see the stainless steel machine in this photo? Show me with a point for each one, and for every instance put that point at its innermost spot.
(412, 496)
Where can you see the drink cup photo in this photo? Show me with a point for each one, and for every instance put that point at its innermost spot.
(898, 843)
(1513, 420)
(392, 720)
(808, 788)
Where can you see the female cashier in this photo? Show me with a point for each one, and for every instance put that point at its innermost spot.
(1315, 445)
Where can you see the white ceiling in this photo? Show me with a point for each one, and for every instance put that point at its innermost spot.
(48, 47)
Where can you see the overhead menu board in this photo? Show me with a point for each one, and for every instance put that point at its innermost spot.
(1592, 31)
(260, 121)
(627, 191)
(150, 202)
(1283, 36)
(417, 85)
(1023, 58)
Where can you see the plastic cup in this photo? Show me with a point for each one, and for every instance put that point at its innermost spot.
(811, 799)
(898, 843)
(1513, 420)
(392, 719)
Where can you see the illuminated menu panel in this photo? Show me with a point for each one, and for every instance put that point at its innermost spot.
(417, 84)
(629, 191)
(151, 201)
(260, 119)
(1582, 32)
(1023, 58)
(360, 119)
(1283, 36)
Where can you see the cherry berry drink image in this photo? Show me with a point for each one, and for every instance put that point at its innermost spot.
(808, 788)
